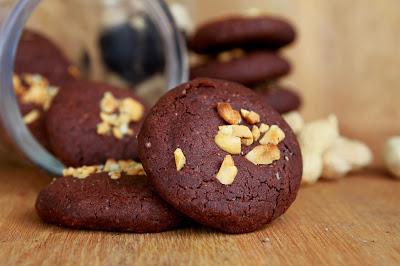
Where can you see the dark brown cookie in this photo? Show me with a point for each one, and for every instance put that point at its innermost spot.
(282, 99)
(36, 54)
(242, 32)
(253, 68)
(38, 126)
(187, 118)
(100, 203)
(73, 120)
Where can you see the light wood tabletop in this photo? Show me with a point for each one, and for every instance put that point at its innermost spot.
(355, 221)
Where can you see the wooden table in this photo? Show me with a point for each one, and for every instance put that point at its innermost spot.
(355, 221)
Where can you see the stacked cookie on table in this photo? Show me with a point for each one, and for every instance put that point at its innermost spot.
(247, 50)
(209, 150)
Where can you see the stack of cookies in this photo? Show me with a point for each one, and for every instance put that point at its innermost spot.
(210, 151)
(246, 50)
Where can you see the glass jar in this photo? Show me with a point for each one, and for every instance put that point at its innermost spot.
(112, 14)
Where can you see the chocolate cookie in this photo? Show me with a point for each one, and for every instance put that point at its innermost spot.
(90, 122)
(251, 69)
(202, 169)
(36, 54)
(242, 32)
(100, 203)
(282, 99)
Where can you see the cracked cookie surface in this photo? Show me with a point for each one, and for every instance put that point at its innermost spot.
(72, 123)
(187, 118)
(100, 203)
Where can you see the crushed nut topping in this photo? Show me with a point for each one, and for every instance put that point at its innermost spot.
(227, 113)
(264, 154)
(180, 159)
(31, 117)
(34, 89)
(228, 171)
(230, 138)
(228, 143)
(114, 169)
(250, 116)
(256, 133)
(273, 136)
(264, 128)
(74, 72)
(228, 56)
(116, 115)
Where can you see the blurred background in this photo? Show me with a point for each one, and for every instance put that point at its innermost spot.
(346, 59)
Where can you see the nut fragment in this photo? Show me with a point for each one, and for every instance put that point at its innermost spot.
(31, 117)
(256, 133)
(344, 156)
(180, 159)
(264, 128)
(273, 136)
(81, 172)
(228, 171)
(133, 108)
(109, 103)
(264, 154)
(227, 113)
(295, 121)
(250, 116)
(247, 142)
(391, 156)
(237, 131)
(230, 144)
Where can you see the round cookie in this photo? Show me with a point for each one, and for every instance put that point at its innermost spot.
(73, 120)
(100, 203)
(36, 54)
(282, 99)
(187, 118)
(251, 69)
(242, 32)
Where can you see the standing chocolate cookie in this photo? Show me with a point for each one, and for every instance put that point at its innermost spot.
(100, 203)
(216, 152)
(282, 99)
(250, 69)
(90, 122)
(36, 54)
(242, 32)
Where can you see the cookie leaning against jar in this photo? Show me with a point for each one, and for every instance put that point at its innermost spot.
(90, 122)
(217, 153)
(113, 197)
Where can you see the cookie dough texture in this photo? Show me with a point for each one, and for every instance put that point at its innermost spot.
(251, 69)
(282, 99)
(36, 54)
(187, 118)
(244, 32)
(100, 203)
(72, 126)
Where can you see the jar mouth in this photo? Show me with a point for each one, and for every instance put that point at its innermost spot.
(176, 72)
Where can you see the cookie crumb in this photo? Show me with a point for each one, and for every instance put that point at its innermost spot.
(180, 159)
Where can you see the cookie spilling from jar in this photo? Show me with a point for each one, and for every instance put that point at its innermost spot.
(218, 154)
(90, 122)
(111, 197)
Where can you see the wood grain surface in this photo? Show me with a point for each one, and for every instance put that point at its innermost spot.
(351, 222)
